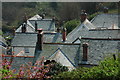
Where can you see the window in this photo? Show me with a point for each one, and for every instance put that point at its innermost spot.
(26, 50)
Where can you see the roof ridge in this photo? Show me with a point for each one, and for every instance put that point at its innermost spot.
(63, 43)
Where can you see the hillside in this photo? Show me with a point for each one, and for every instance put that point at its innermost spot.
(13, 12)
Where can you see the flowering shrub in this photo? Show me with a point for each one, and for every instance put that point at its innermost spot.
(30, 71)
(26, 71)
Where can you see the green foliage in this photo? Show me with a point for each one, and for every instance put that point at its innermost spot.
(30, 71)
(90, 17)
(56, 68)
(1, 32)
(108, 69)
(70, 25)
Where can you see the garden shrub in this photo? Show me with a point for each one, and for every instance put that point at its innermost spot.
(108, 69)
(29, 71)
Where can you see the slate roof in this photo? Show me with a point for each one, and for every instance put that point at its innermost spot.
(3, 45)
(98, 49)
(93, 33)
(2, 41)
(21, 51)
(24, 39)
(45, 24)
(29, 28)
(72, 52)
(36, 17)
(30, 39)
(85, 25)
(105, 20)
(60, 57)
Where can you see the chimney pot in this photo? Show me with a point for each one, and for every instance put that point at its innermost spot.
(83, 16)
(40, 30)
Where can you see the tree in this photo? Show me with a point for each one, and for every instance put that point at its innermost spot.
(70, 25)
(69, 11)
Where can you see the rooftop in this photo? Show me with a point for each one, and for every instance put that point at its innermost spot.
(106, 20)
(30, 39)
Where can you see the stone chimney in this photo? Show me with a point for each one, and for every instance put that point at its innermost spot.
(36, 26)
(85, 51)
(64, 32)
(23, 29)
(83, 16)
(40, 39)
(105, 10)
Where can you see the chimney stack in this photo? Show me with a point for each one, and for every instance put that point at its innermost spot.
(85, 51)
(40, 39)
(64, 32)
(23, 29)
(83, 16)
(43, 16)
(105, 10)
(36, 26)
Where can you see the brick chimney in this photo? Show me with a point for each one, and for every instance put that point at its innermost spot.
(83, 16)
(85, 51)
(36, 26)
(64, 32)
(23, 29)
(40, 39)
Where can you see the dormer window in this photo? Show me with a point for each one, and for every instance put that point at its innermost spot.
(26, 50)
